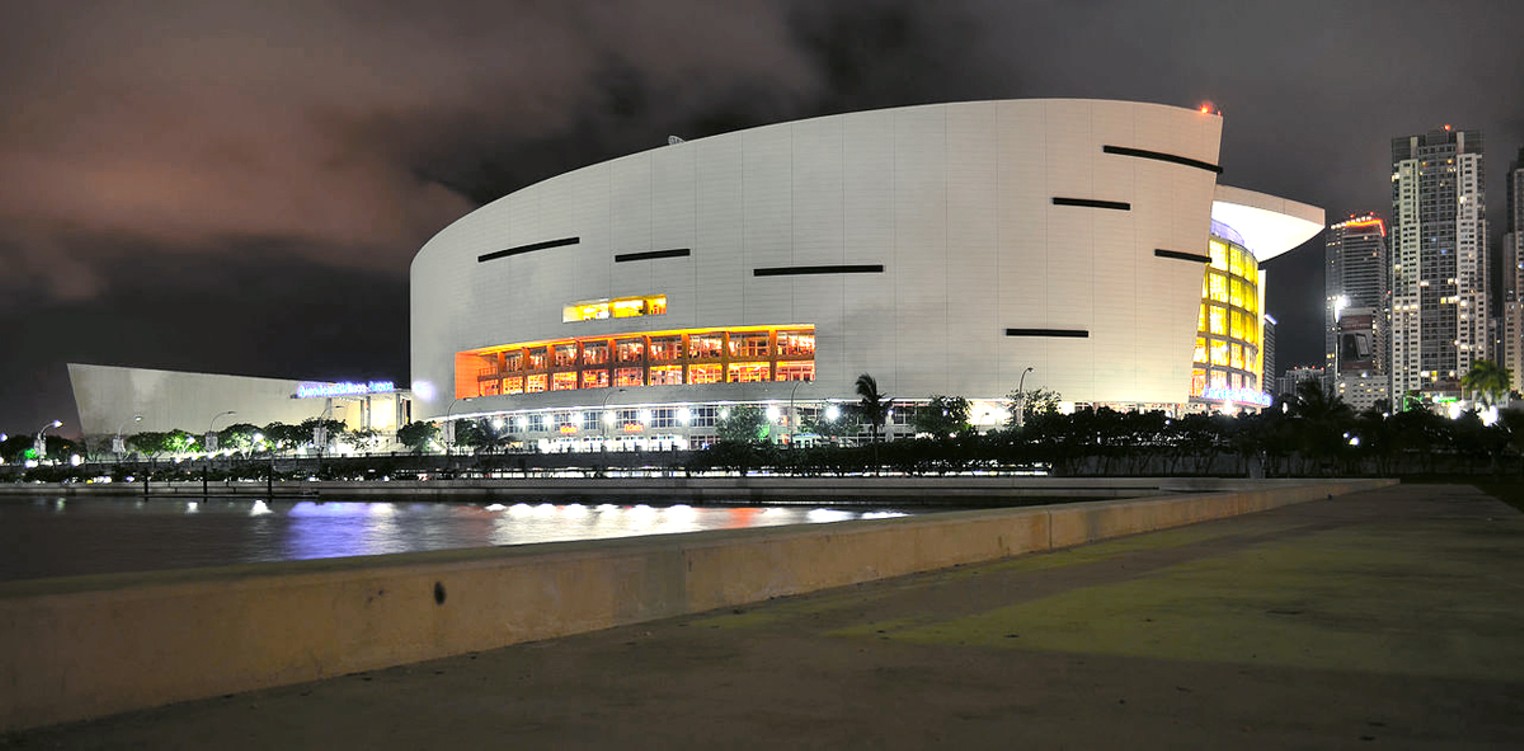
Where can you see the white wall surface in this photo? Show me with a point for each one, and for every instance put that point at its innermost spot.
(955, 200)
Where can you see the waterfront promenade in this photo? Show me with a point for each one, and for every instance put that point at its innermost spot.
(1389, 617)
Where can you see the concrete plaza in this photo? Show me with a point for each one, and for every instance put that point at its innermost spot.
(1393, 618)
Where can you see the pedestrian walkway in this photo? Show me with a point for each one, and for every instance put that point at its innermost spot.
(1393, 618)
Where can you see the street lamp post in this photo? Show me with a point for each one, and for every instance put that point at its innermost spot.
(118, 446)
(604, 418)
(1021, 396)
(206, 464)
(40, 445)
(793, 416)
(450, 443)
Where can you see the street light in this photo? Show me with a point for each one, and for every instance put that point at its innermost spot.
(605, 418)
(117, 445)
(210, 444)
(1021, 397)
(793, 417)
(450, 441)
(41, 444)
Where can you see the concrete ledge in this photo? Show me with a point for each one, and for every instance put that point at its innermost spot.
(83, 647)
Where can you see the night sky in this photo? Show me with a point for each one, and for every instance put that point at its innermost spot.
(240, 187)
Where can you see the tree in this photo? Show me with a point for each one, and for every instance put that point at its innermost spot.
(154, 444)
(1486, 380)
(238, 436)
(285, 437)
(418, 435)
(942, 417)
(872, 406)
(742, 425)
(1038, 402)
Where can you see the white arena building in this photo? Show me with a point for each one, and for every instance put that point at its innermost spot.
(944, 249)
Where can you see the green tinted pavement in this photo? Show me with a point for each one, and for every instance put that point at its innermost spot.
(1393, 618)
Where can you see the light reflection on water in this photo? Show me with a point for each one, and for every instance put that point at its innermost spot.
(81, 536)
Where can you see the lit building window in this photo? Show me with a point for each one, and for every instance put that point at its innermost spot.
(563, 381)
(629, 377)
(699, 374)
(796, 371)
(749, 373)
(535, 384)
(666, 375)
(619, 307)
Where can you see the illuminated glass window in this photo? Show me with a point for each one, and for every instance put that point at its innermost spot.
(1236, 329)
(1201, 350)
(595, 353)
(565, 356)
(594, 379)
(513, 385)
(537, 423)
(749, 373)
(1198, 380)
(706, 346)
(1217, 321)
(704, 374)
(796, 344)
(629, 377)
(490, 388)
(1219, 253)
(1236, 360)
(537, 359)
(630, 350)
(666, 348)
(796, 371)
(666, 375)
(1236, 296)
(563, 381)
(513, 362)
(1201, 317)
(1235, 262)
(536, 384)
(1219, 352)
(748, 345)
(1218, 285)
(619, 307)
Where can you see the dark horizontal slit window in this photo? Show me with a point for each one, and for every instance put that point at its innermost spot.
(1092, 203)
(527, 249)
(652, 255)
(876, 268)
(1162, 157)
(1062, 333)
(1181, 255)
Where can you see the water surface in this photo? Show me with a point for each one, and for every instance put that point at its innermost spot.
(59, 537)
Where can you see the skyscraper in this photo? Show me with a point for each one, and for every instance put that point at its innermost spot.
(1439, 261)
(1358, 309)
(1512, 326)
(1357, 277)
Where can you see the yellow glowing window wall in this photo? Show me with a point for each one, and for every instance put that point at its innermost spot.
(746, 354)
(1228, 325)
(619, 307)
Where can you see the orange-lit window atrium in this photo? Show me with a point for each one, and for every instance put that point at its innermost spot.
(740, 354)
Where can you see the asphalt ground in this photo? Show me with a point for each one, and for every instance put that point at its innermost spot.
(1386, 619)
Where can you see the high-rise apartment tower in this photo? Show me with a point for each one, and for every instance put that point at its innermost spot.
(1438, 238)
(1511, 328)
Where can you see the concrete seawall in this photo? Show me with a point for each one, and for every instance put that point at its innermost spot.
(83, 647)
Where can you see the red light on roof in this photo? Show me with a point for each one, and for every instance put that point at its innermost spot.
(1447, 126)
(1207, 108)
(1371, 221)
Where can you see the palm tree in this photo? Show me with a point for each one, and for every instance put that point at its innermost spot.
(872, 405)
(1486, 380)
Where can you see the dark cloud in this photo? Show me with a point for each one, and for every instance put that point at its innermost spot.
(209, 158)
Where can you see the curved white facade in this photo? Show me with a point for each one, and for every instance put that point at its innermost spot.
(1011, 235)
